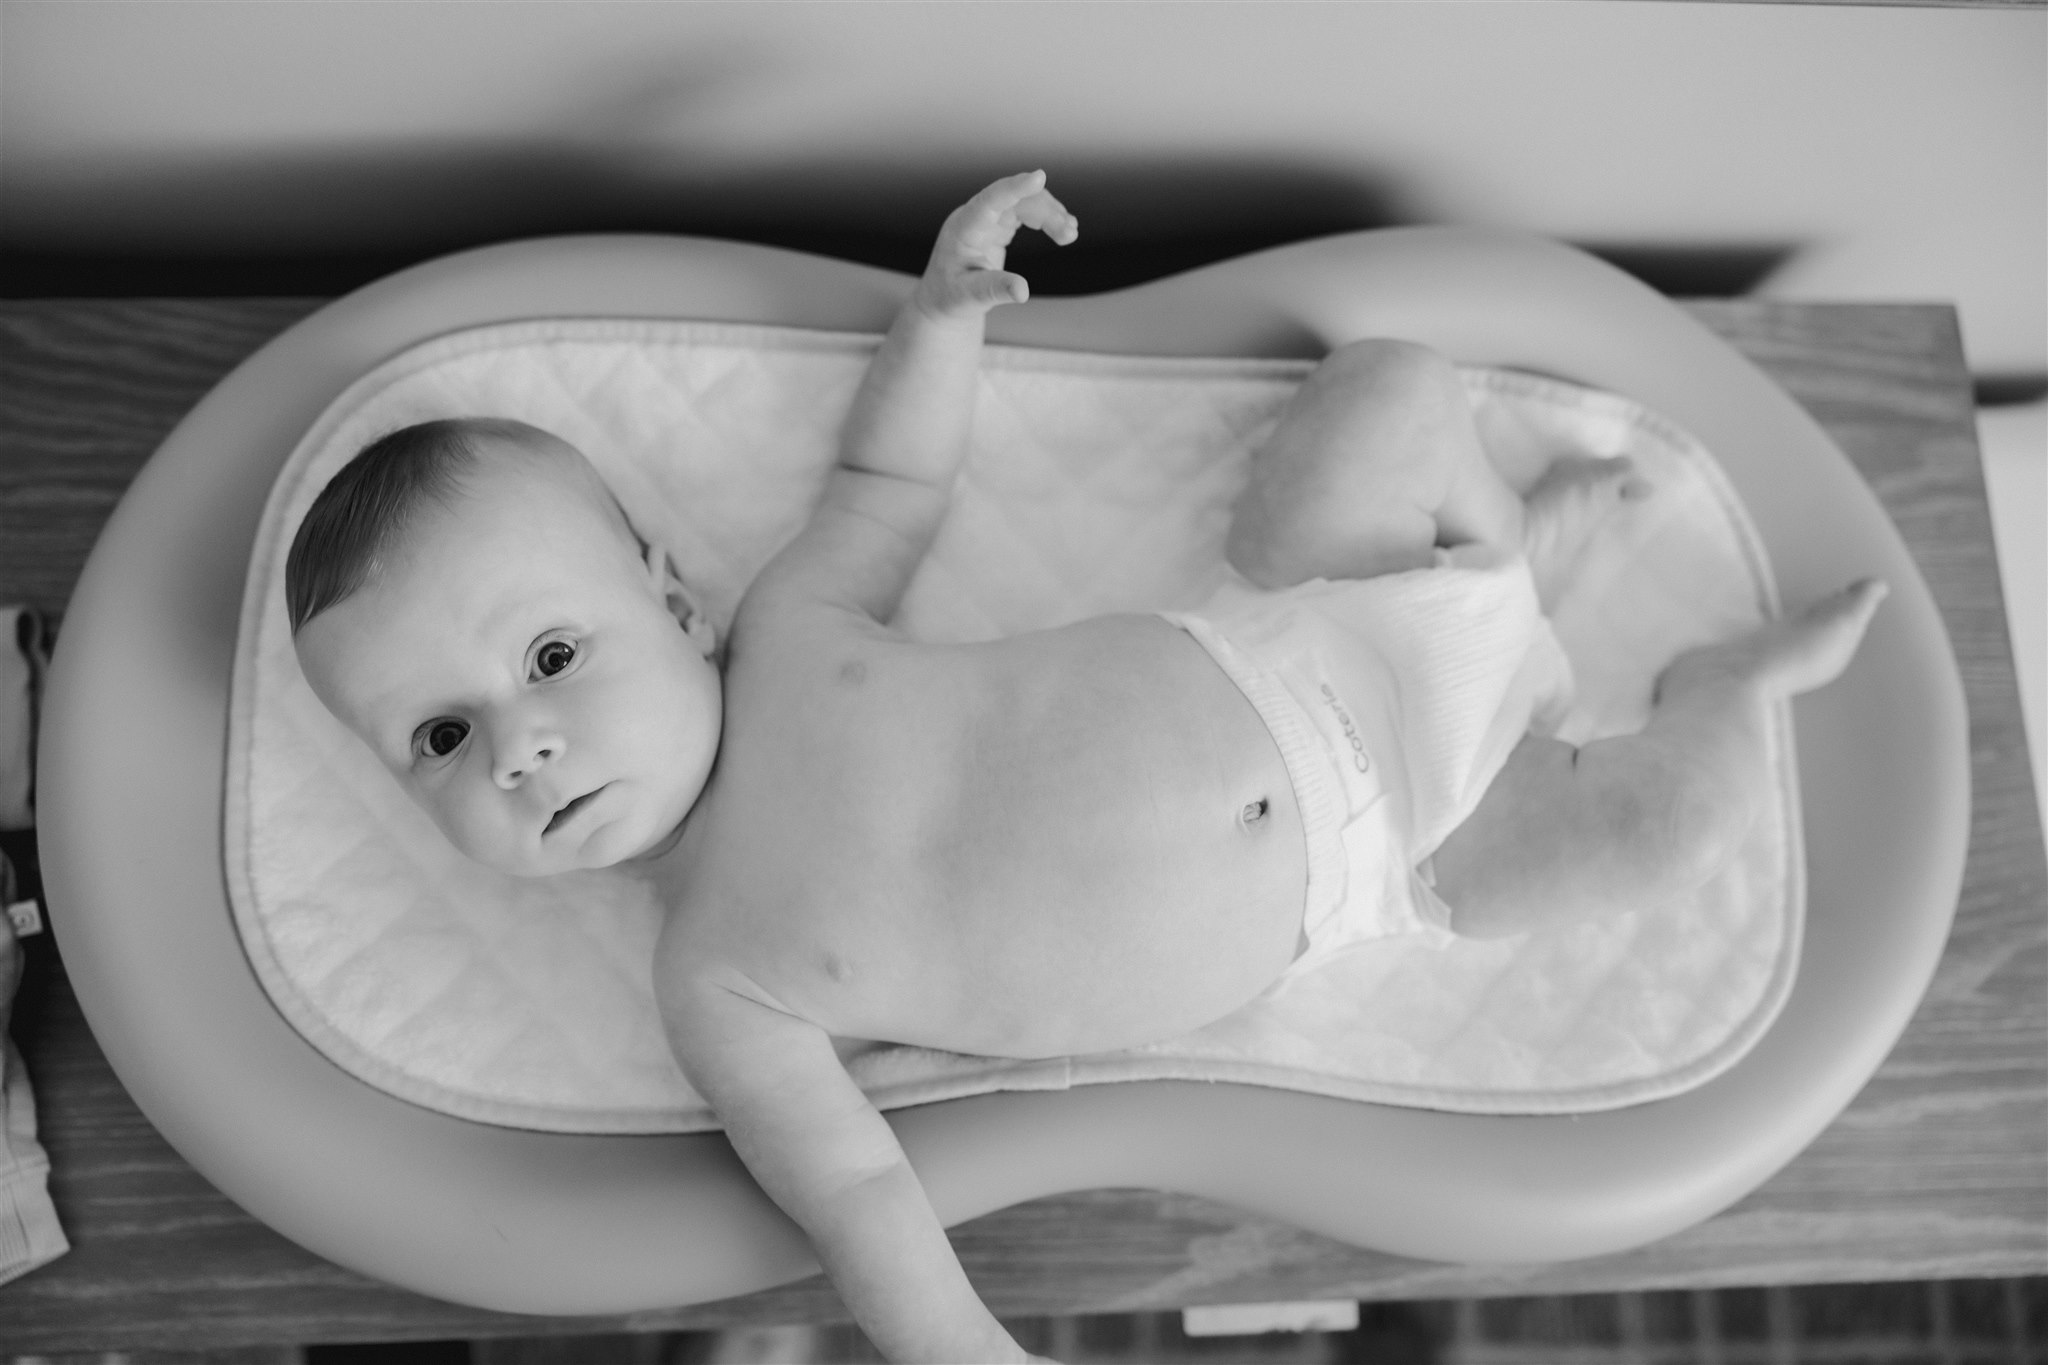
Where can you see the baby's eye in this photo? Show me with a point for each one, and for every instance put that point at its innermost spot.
(442, 737)
(552, 657)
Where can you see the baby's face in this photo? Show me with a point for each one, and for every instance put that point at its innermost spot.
(519, 673)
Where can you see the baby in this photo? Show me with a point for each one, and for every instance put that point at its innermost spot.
(1069, 841)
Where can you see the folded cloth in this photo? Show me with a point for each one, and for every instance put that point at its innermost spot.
(22, 661)
(29, 1232)
(1096, 484)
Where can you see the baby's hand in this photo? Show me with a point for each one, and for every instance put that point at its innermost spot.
(966, 277)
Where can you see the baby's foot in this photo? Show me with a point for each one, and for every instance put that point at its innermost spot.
(1568, 504)
(1796, 654)
(965, 276)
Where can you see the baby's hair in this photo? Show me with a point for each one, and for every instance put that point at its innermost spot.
(364, 511)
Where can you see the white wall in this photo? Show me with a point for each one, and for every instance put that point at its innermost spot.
(1908, 149)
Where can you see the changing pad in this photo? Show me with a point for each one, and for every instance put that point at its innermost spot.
(1096, 484)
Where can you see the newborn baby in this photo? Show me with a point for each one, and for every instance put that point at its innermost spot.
(1070, 841)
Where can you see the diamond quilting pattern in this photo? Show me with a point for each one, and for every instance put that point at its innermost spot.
(1096, 484)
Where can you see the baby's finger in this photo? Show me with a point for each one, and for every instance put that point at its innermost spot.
(993, 287)
(1011, 188)
(1049, 216)
(986, 209)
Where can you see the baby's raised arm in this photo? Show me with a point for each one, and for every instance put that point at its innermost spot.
(909, 426)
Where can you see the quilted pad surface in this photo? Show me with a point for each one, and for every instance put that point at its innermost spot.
(1096, 483)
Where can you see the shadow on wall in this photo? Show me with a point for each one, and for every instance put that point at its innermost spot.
(326, 223)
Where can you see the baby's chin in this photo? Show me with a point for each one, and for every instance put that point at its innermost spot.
(608, 848)
(659, 847)
(537, 869)
(525, 869)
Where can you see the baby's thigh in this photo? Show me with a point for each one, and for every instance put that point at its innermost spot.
(1385, 419)
(1364, 455)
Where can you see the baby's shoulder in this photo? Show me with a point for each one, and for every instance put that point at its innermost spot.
(806, 660)
(778, 616)
(692, 965)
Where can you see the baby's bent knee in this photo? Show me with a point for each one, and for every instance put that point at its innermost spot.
(1400, 366)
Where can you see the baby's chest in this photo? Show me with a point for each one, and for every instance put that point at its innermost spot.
(856, 966)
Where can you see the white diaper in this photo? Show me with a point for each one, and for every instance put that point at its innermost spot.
(1394, 701)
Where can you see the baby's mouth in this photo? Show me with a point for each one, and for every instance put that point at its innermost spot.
(562, 816)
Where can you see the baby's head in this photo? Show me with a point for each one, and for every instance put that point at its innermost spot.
(468, 598)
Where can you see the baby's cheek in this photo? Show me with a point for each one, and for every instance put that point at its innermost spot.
(452, 825)
(459, 823)
(667, 719)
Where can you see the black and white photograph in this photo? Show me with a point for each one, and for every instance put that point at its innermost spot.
(1098, 682)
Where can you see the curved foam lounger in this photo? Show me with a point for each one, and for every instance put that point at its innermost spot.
(133, 746)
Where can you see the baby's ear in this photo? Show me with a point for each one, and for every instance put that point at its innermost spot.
(681, 601)
(696, 623)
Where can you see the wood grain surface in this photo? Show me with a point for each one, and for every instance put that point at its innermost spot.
(1938, 1169)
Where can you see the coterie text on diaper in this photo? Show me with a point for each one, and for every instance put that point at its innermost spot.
(1358, 755)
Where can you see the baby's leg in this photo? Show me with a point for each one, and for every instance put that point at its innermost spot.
(1638, 820)
(1375, 463)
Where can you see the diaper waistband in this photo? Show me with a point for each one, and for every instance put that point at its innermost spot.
(1318, 787)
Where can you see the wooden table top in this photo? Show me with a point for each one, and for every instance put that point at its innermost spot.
(1938, 1169)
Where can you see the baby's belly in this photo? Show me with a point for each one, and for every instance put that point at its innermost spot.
(1116, 865)
(1055, 970)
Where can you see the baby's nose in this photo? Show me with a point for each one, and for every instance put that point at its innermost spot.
(520, 759)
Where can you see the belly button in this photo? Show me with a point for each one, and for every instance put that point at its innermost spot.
(1253, 812)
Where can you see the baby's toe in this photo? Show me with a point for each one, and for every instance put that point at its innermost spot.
(1616, 479)
(1631, 486)
(1848, 612)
